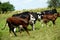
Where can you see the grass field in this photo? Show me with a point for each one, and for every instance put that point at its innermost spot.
(41, 33)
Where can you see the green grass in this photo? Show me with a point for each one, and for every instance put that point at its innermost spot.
(41, 33)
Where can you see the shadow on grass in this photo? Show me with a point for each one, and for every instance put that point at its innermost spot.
(28, 30)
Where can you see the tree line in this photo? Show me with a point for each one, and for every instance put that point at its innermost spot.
(53, 3)
(6, 6)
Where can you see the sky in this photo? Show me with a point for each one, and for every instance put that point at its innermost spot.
(27, 4)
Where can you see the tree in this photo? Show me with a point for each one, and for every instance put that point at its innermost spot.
(54, 3)
(0, 7)
(6, 6)
(0, 2)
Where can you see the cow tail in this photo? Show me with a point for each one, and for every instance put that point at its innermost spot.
(4, 26)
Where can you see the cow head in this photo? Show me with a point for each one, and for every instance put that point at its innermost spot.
(32, 19)
(39, 15)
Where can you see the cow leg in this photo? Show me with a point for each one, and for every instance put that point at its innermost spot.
(53, 22)
(20, 28)
(46, 22)
(32, 27)
(13, 31)
(42, 23)
(26, 30)
(47, 25)
(32, 24)
(10, 31)
(10, 28)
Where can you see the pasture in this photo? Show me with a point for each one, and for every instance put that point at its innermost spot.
(41, 33)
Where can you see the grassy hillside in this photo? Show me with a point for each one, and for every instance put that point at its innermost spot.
(41, 33)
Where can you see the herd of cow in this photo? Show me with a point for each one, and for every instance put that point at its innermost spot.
(22, 20)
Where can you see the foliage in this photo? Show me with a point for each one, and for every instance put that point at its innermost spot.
(53, 3)
(6, 6)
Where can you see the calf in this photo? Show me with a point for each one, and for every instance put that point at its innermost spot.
(16, 21)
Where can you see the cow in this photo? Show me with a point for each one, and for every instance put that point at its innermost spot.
(14, 22)
(36, 15)
(51, 17)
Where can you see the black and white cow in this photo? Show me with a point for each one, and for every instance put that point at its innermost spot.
(36, 15)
